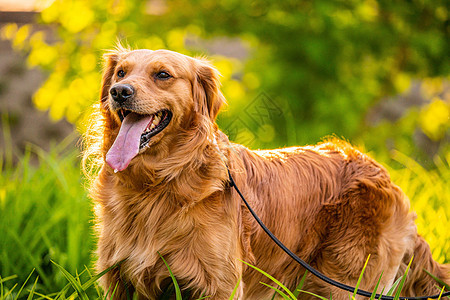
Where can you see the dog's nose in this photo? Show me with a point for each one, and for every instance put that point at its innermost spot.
(121, 92)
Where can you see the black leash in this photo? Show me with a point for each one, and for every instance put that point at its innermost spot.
(314, 271)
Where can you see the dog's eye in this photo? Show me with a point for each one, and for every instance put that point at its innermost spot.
(163, 75)
(121, 73)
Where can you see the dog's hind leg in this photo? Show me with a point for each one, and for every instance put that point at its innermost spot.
(374, 222)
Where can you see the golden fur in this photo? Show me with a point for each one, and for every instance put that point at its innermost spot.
(331, 204)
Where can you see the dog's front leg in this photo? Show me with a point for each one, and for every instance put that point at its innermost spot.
(209, 276)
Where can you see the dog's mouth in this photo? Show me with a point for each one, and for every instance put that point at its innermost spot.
(157, 123)
(135, 135)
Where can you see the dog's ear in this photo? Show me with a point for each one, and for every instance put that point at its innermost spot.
(206, 89)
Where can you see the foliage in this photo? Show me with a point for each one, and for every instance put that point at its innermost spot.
(421, 133)
(322, 64)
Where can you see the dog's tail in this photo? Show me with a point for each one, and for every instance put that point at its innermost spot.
(418, 282)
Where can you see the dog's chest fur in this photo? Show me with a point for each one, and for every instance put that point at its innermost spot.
(139, 225)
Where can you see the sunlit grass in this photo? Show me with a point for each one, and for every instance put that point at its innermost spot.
(429, 193)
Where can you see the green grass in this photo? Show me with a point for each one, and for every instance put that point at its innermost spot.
(46, 217)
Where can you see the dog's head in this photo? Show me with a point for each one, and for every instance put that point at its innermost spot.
(149, 97)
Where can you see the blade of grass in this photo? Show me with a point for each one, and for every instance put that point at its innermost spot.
(235, 289)
(300, 284)
(96, 286)
(23, 285)
(6, 279)
(114, 291)
(400, 287)
(272, 278)
(438, 280)
(286, 297)
(62, 293)
(360, 277)
(94, 279)
(77, 277)
(394, 286)
(442, 291)
(43, 296)
(177, 288)
(30, 296)
(10, 291)
(273, 296)
(107, 292)
(382, 291)
(374, 293)
(109, 289)
(74, 283)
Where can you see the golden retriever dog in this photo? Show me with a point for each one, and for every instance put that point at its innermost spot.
(162, 188)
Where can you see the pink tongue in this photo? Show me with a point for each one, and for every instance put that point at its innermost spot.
(126, 145)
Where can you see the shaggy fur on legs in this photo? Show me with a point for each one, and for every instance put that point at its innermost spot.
(162, 188)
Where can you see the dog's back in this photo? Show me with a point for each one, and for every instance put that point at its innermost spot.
(333, 206)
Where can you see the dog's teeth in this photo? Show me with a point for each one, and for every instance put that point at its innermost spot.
(115, 170)
(156, 120)
(152, 126)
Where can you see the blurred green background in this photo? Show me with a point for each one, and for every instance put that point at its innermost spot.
(328, 66)
(375, 72)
